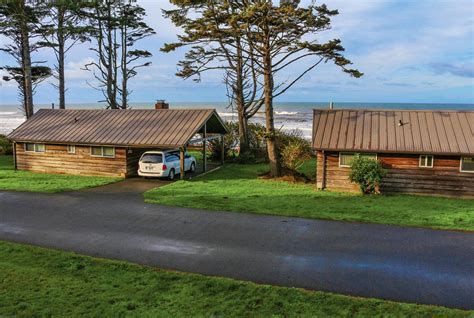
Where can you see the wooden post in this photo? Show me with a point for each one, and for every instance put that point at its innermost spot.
(222, 150)
(316, 170)
(15, 165)
(204, 154)
(181, 162)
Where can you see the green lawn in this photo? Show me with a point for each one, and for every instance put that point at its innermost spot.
(237, 188)
(309, 168)
(42, 182)
(38, 282)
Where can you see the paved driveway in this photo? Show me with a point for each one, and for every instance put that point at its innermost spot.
(403, 264)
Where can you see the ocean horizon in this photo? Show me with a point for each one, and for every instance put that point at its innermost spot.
(288, 115)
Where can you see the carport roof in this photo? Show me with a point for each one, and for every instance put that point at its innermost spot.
(163, 128)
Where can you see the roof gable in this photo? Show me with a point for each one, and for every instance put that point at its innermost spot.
(397, 131)
(137, 127)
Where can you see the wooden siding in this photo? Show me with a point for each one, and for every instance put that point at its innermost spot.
(404, 175)
(56, 159)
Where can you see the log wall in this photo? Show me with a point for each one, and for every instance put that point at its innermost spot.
(56, 159)
(403, 175)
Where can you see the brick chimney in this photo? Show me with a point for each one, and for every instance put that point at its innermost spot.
(161, 104)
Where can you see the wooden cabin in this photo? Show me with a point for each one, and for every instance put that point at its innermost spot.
(107, 142)
(424, 151)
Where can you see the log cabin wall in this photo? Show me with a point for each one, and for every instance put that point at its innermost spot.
(336, 178)
(403, 175)
(56, 159)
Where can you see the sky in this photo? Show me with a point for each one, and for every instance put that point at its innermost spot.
(409, 51)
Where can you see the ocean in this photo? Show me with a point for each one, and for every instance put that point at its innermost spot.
(288, 115)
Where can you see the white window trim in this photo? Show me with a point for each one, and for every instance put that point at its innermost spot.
(432, 161)
(353, 153)
(102, 148)
(73, 147)
(34, 147)
(460, 166)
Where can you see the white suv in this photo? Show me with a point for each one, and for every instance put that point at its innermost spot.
(164, 164)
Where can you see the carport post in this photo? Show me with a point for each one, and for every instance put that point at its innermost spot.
(222, 150)
(204, 155)
(15, 162)
(181, 162)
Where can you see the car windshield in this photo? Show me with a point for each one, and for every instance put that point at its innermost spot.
(152, 158)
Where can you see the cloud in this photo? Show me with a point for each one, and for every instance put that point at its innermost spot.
(463, 70)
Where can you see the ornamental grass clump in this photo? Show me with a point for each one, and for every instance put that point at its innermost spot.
(367, 173)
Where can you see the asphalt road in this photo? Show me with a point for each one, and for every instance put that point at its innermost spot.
(390, 262)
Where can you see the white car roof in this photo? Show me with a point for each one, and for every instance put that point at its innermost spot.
(160, 151)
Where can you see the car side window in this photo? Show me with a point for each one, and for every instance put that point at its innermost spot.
(171, 158)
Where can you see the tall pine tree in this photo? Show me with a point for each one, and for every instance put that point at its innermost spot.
(281, 35)
(19, 22)
(63, 27)
(215, 41)
(116, 29)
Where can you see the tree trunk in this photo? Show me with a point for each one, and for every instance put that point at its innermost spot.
(240, 103)
(243, 131)
(123, 65)
(272, 146)
(110, 58)
(61, 84)
(26, 62)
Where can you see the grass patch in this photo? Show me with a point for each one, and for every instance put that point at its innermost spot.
(43, 182)
(38, 282)
(237, 188)
(309, 168)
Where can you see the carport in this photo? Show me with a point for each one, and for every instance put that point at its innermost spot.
(130, 132)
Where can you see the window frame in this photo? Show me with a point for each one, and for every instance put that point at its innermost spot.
(460, 165)
(353, 154)
(35, 147)
(102, 151)
(71, 149)
(426, 161)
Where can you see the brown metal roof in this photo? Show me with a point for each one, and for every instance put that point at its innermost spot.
(421, 131)
(167, 128)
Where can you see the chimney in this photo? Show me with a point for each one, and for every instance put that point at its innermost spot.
(161, 104)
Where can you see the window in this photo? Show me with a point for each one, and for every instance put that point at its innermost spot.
(29, 147)
(102, 151)
(152, 158)
(426, 161)
(345, 158)
(467, 164)
(34, 147)
(71, 149)
(171, 158)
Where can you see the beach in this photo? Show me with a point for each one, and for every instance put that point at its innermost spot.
(288, 115)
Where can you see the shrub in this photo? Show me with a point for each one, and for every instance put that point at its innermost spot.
(367, 173)
(256, 152)
(5, 145)
(294, 149)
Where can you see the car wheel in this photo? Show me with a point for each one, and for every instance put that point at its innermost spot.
(193, 167)
(171, 174)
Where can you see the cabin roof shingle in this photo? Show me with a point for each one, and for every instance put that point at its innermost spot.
(394, 131)
(133, 127)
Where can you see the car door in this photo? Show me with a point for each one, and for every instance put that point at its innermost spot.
(174, 162)
(187, 161)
